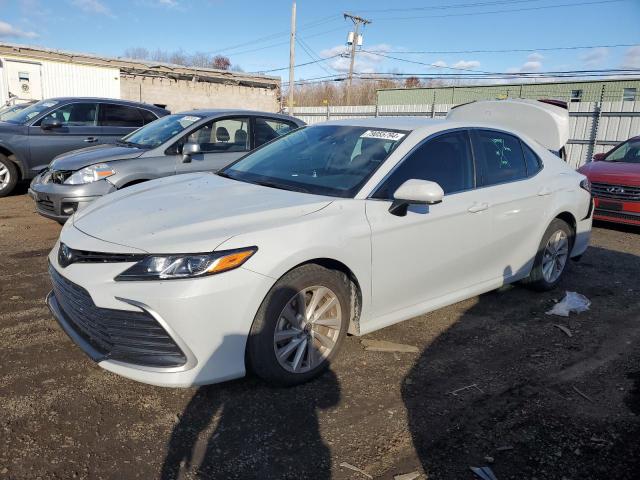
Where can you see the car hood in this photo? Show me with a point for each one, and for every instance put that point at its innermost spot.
(191, 213)
(84, 157)
(612, 172)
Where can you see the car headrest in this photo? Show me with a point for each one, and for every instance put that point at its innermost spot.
(222, 134)
(240, 137)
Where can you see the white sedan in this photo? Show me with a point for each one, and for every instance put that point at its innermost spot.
(342, 227)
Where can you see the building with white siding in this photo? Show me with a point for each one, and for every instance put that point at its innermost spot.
(35, 73)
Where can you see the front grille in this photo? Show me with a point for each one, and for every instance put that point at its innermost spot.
(68, 255)
(131, 337)
(617, 192)
(620, 215)
(46, 205)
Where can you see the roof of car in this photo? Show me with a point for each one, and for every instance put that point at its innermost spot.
(110, 100)
(214, 112)
(399, 123)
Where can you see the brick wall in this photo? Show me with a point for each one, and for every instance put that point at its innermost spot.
(181, 95)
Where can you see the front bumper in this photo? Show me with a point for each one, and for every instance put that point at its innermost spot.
(209, 318)
(618, 211)
(59, 201)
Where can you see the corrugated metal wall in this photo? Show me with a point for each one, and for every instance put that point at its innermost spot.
(590, 92)
(594, 128)
(60, 79)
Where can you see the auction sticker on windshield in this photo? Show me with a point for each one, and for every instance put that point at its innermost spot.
(383, 135)
(188, 120)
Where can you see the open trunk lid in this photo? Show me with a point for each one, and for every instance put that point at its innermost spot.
(544, 122)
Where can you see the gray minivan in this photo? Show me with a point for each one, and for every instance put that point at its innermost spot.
(30, 138)
(194, 141)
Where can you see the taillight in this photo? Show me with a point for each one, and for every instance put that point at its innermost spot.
(585, 184)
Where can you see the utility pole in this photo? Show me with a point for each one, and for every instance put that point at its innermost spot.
(357, 21)
(292, 54)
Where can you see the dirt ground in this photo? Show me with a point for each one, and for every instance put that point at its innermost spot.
(545, 405)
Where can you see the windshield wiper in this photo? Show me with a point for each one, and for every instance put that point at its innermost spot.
(126, 143)
(224, 175)
(282, 186)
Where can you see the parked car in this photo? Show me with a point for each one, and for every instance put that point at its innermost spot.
(199, 140)
(30, 138)
(9, 110)
(615, 183)
(346, 226)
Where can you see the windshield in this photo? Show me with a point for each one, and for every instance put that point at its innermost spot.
(26, 114)
(159, 131)
(330, 160)
(628, 152)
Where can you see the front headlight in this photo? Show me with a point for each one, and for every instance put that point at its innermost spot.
(170, 267)
(90, 174)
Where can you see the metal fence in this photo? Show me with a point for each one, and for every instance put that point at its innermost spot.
(595, 126)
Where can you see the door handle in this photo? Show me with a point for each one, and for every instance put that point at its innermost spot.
(478, 207)
(90, 140)
(544, 191)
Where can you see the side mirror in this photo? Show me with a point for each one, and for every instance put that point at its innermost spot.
(598, 157)
(50, 124)
(189, 149)
(415, 192)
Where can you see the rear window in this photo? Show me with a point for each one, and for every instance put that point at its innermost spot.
(499, 157)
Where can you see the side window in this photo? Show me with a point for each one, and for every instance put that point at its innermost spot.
(268, 129)
(499, 157)
(74, 114)
(228, 135)
(147, 116)
(112, 115)
(534, 164)
(446, 160)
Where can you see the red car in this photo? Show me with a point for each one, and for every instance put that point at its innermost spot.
(615, 183)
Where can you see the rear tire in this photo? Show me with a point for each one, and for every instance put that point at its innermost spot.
(300, 325)
(552, 257)
(8, 176)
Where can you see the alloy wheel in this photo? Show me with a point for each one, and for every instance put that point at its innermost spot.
(307, 330)
(555, 256)
(5, 176)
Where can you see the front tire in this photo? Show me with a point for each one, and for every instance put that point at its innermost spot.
(552, 257)
(8, 176)
(300, 325)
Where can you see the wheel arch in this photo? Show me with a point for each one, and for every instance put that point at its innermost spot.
(356, 290)
(13, 158)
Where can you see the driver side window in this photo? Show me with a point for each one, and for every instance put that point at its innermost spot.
(74, 115)
(446, 160)
(227, 135)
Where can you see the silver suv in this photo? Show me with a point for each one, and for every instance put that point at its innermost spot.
(199, 140)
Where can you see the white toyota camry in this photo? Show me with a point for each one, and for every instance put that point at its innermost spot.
(342, 227)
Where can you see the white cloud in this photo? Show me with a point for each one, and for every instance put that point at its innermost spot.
(466, 64)
(365, 62)
(92, 6)
(168, 3)
(439, 64)
(535, 57)
(595, 56)
(532, 65)
(8, 30)
(632, 58)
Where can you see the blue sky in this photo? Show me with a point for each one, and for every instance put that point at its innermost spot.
(254, 34)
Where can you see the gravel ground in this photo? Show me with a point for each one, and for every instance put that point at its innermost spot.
(545, 405)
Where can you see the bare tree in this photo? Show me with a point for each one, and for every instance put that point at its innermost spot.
(221, 62)
(412, 82)
(179, 57)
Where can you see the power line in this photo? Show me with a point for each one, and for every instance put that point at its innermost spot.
(510, 50)
(434, 65)
(312, 54)
(523, 9)
(378, 76)
(447, 7)
(298, 64)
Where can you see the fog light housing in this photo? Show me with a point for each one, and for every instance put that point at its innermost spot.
(69, 208)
